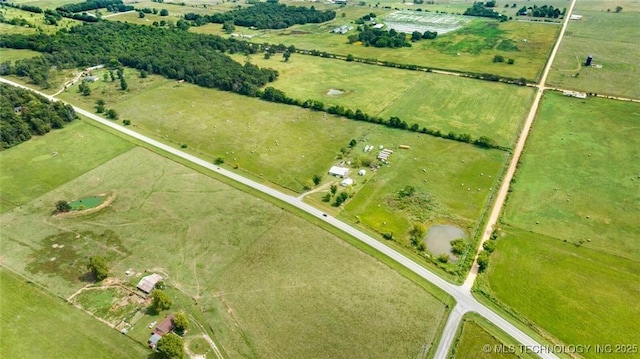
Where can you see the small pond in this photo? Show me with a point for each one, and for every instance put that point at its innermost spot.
(439, 236)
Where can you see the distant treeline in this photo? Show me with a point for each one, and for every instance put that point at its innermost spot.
(379, 38)
(24, 114)
(75, 11)
(265, 16)
(484, 10)
(173, 53)
(541, 11)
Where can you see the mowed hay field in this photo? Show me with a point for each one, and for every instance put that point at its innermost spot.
(268, 283)
(445, 103)
(37, 324)
(36, 20)
(283, 144)
(457, 178)
(30, 169)
(578, 294)
(471, 48)
(613, 39)
(579, 175)
(13, 54)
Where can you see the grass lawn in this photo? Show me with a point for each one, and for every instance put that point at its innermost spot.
(612, 39)
(37, 324)
(578, 294)
(13, 54)
(281, 144)
(471, 48)
(45, 4)
(476, 333)
(29, 170)
(253, 269)
(457, 178)
(446, 103)
(579, 175)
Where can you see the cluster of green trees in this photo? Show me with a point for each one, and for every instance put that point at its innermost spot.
(484, 10)
(75, 11)
(110, 5)
(98, 267)
(541, 11)
(24, 114)
(380, 38)
(268, 15)
(16, 21)
(173, 53)
(365, 18)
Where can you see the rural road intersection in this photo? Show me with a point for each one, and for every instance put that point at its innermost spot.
(462, 294)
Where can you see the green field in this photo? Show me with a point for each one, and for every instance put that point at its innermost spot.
(45, 4)
(30, 170)
(579, 176)
(578, 294)
(13, 54)
(614, 42)
(86, 202)
(469, 49)
(36, 323)
(253, 269)
(36, 20)
(446, 103)
(283, 144)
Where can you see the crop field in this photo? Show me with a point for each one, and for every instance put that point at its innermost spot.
(36, 322)
(471, 48)
(457, 180)
(283, 144)
(612, 39)
(445, 103)
(257, 278)
(594, 289)
(30, 169)
(410, 21)
(578, 176)
(475, 333)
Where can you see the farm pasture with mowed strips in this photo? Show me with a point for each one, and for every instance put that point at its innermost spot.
(445, 103)
(573, 210)
(613, 41)
(259, 280)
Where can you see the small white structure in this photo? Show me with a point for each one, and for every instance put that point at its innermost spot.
(147, 283)
(575, 17)
(378, 26)
(574, 94)
(341, 172)
(362, 172)
(346, 182)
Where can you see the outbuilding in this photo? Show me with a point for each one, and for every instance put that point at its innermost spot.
(346, 182)
(147, 283)
(341, 172)
(362, 172)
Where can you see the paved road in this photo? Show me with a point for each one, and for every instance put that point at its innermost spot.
(465, 302)
(454, 321)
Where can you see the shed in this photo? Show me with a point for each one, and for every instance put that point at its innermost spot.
(147, 283)
(90, 78)
(346, 182)
(362, 172)
(339, 171)
(166, 326)
(153, 340)
(378, 26)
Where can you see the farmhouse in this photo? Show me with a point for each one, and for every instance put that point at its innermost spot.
(147, 283)
(341, 172)
(165, 327)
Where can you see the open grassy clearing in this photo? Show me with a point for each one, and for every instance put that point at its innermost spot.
(614, 42)
(13, 54)
(471, 48)
(457, 178)
(446, 103)
(45, 4)
(476, 332)
(579, 177)
(37, 20)
(283, 144)
(257, 279)
(587, 304)
(30, 170)
(36, 323)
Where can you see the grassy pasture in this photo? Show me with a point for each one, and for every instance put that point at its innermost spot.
(13, 54)
(591, 297)
(29, 170)
(37, 324)
(459, 180)
(583, 149)
(252, 267)
(45, 4)
(242, 130)
(446, 103)
(613, 40)
(37, 20)
(469, 49)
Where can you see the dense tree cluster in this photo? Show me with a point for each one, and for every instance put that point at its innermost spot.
(542, 11)
(75, 11)
(380, 38)
(173, 53)
(110, 5)
(483, 10)
(266, 16)
(24, 113)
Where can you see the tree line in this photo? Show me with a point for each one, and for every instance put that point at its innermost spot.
(484, 10)
(24, 114)
(267, 15)
(75, 11)
(172, 53)
(541, 11)
(370, 36)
